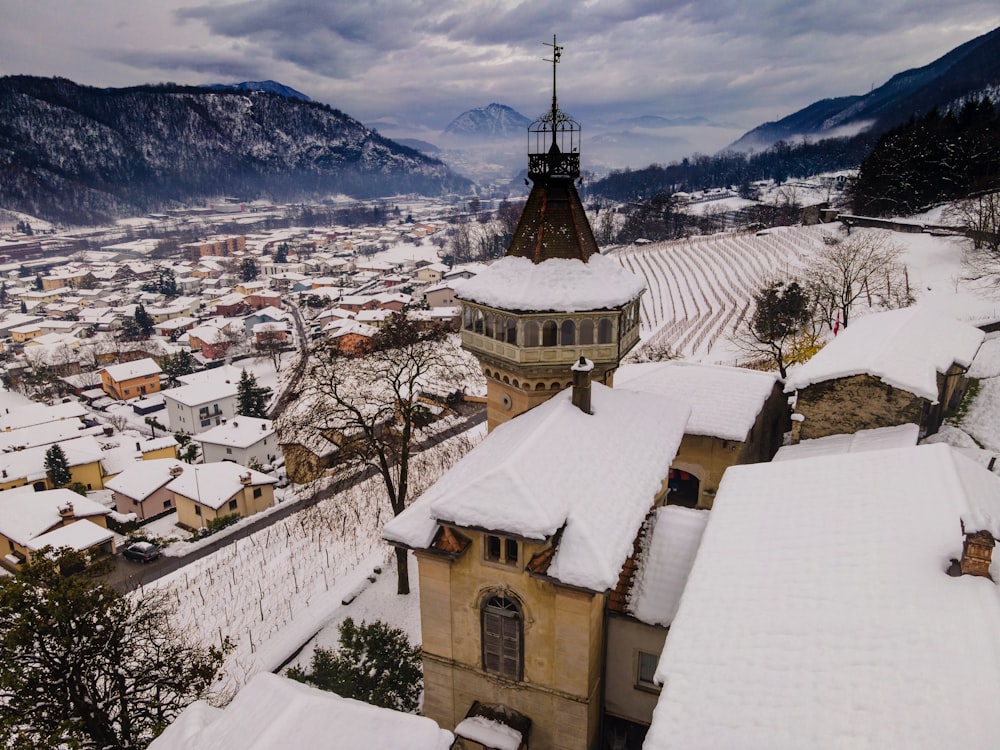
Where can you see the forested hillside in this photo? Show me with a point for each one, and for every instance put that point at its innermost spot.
(81, 154)
(936, 158)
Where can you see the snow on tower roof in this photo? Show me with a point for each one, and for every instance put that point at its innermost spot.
(725, 401)
(276, 712)
(551, 469)
(819, 612)
(557, 284)
(903, 348)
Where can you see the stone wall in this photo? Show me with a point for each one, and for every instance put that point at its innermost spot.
(859, 402)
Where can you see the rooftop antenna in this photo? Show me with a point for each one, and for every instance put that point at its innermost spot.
(556, 54)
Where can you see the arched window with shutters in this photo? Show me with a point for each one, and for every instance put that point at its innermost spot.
(587, 332)
(549, 333)
(567, 333)
(604, 331)
(503, 633)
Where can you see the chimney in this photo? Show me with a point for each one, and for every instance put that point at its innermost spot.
(245, 479)
(797, 420)
(977, 553)
(138, 446)
(176, 471)
(66, 511)
(581, 384)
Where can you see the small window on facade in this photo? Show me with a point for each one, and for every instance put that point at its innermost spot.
(501, 549)
(604, 331)
(646, 670)
(229, 450)
(502, 637)
(567, 333)
(167, 503)
(549, 333)
(232, 505)
(197, 510)
(531, 333)
(257, 492)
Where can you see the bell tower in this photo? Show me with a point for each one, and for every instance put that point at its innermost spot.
(553, 297)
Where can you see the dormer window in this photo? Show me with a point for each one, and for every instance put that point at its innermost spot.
(500, 549)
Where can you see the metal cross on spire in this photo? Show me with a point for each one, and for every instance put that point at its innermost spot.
(556, 54)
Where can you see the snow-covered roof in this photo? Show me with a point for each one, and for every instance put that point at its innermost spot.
(878, 439)
(32, 414)
(137, 369)
(222, 374)
(80, 535)
(276, 712)
(200, 393)
(666, 561)
(30, 463)
(26, 514)
(240, 432)
(214, 484)
(141, 479)
(557, 284)
(903, 348)
(45, 434)
(724, 401)
(819, 612)
(555, 467)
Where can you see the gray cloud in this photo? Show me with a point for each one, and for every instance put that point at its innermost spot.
(425, 61)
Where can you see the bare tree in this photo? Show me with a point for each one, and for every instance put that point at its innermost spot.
(863, 266)
(979, 218)
(376, 404)
(269, 343)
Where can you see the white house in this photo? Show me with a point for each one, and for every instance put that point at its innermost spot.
(198, 407)
(240, 439)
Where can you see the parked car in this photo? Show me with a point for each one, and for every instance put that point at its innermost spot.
(141, 552)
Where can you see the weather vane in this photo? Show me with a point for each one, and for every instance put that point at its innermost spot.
(556, 54)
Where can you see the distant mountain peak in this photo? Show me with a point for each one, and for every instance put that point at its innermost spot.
(272, 87)
(492, 121)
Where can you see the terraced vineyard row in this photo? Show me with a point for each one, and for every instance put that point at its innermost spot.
(700, 288)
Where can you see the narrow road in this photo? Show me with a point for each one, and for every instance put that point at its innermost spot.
(128, 575)
(292, 384)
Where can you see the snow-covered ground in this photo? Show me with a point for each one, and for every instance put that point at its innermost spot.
(273, 591)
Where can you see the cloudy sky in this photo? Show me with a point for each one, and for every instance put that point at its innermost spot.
(422, 62)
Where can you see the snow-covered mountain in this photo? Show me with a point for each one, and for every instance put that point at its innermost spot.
(968, 70)
(492, 121)
(272, 87)
(79, 154)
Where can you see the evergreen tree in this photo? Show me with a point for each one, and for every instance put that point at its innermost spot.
(57, 466)
(143, 320)
(39, 286)
(175, 365)
(781, 313)
(282, 255)
(87, 667)
(248, 269)
(374, 663)
(251, 399)
(24, 307)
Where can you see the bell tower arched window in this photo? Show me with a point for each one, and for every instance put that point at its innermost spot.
(503, 632)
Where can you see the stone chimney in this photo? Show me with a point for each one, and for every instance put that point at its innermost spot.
(977, 553)
(581, 384)
(66, 511)
(246, 479)
(797, 420)
(176, 471)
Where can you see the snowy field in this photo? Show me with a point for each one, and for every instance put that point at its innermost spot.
(699, 288)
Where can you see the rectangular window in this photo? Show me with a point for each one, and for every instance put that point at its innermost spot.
(206, 422)
(500, 549)
(232, 505)
(258, 491)
(646, 669)
(167, 503)
(197, 510)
